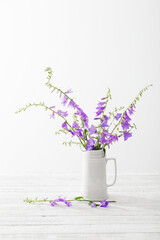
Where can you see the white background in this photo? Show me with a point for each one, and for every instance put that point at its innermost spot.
(91, 45)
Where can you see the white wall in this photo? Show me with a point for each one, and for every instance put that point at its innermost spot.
(91, 45)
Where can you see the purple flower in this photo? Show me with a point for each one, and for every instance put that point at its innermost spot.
(72, 104)
(104, 203)
(90, 144)
(103, 98)
(69, 91)
(101, 104)
(75, 125)
(52, 115)
(118, 116)
(52, 203)
(100, 110)
(126, 117)
(68, 203)
(60, 94)
(53, 107)
(106, 118)
(104, 123)
(63, 114)
(64, 101)
(127, 135)
(93, 205)
(92, 130)
(85, 120)
(83, 116)
(60, 199)
(72, 132)
(79, 132)
(112, 138)
(96, 118)
(131, 110)
(64, 125)
(125, 125)
(103, 139)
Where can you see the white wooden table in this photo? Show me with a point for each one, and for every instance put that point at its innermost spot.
(135, 215)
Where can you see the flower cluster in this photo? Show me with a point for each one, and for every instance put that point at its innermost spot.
(60, 199)
(107, 128)
(68, 203)
(103, 203)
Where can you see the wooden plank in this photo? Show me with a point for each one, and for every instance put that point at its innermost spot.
(136, 214)
(89, 229)
(76, 220)
(121, 236)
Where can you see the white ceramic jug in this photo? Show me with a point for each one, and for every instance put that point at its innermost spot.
(93, 184)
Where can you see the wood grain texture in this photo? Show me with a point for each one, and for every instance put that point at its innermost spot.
(135, 215)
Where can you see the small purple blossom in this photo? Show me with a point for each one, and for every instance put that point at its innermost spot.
(75, 125)
(100, 110)
(60, 94)
(60, 199)
(104, 123)
(112, 138)
(106, 118)
(63, 114)
(52, 107)
(86, 122)
(125, 125)
(68, 203)
(93, 205)
(69, 91)
(64, 125)
(127, 135)
(100, 104)
(90, 144)
(131, 110)
(72, 104)
(118, 116)
(126, 117)
(103, 139)
(92, 130)
(83, 116)
(104, 203)
(64, 100)
(52, 203)
(79, 132)
(52, 115)
(72, 132)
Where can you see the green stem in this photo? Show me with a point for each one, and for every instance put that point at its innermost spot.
(48, 84)
(49, 108)
(133, 103)
(51, 200)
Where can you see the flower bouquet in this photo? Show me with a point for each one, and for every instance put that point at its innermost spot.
(109, 128)
(93, 139)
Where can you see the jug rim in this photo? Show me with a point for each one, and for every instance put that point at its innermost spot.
(94, 153)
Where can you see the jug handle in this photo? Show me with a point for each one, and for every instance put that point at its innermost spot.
(115, 171)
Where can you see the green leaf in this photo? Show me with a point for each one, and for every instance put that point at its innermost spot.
(78, 198)
(90, 202)
(104, 150)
